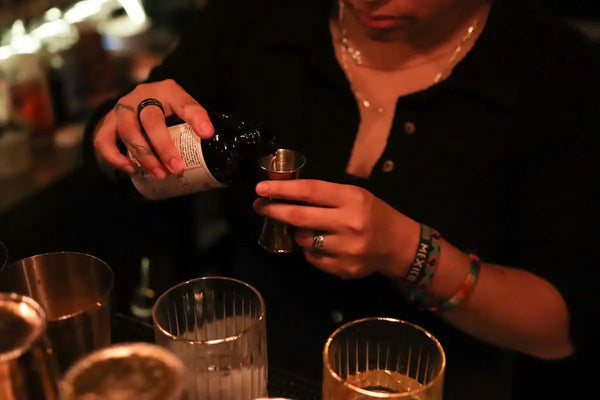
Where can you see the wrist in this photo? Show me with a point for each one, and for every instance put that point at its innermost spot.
(404, 248)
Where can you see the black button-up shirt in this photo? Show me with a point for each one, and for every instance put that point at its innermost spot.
(500, 158)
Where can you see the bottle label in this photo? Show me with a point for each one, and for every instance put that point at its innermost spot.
(195, 178)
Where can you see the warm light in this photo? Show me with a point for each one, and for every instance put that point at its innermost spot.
(52, 14)
(5, 52)
(20, 42)
(134, 10)
(18, 28)
(51, 29)
(87, 8)
(82, 10)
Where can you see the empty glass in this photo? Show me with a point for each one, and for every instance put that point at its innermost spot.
(382, 358)
(216, 326)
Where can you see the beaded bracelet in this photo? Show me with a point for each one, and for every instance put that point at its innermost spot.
(465, 289)
(421, 272)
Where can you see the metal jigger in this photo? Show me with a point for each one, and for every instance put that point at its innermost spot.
(278, 237)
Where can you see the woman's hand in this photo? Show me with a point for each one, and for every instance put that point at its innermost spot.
(362, 234)
(122, 123)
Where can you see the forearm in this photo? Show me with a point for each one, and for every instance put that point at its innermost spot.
(508, 307)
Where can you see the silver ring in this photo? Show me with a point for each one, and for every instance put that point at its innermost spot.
(317, 243)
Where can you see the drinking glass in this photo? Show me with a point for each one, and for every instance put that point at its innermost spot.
(125, 371)
(216, 326)
(28, 369)
(382, 358)
(74, 289)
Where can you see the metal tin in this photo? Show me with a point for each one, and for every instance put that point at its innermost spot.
(27, 368)
(74, 289)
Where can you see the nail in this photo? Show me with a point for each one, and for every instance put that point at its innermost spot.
(158, 173)
(176, 165)
(129, 169)
(259, 206)
(207, 128)
(261, 188)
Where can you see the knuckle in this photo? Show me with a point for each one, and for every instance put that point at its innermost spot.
(127, 96)
(353, 271)
(358, 249)
(97, 143)
(362, 197)
(358, 223)
(296, 216)
(141, 88)
(310, 257)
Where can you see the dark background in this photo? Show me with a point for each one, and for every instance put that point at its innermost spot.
(185, 237)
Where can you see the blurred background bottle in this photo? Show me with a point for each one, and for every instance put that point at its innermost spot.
(27, 81)
(15, 152)
(143, 296)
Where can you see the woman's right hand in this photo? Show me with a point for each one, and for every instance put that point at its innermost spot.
(121, 123)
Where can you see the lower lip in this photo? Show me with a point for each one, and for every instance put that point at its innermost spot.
(379, 23)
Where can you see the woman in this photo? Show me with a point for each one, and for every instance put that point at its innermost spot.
(463, 115)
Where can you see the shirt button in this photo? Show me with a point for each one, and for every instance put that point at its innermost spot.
(337, 317)
(409, 128)
(388, 166)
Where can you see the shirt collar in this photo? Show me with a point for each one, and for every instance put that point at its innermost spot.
(491, 72)
(494, 70)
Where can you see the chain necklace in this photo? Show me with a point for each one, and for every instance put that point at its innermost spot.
(356, 56)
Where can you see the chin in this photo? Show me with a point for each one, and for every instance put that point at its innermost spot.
(386, 35)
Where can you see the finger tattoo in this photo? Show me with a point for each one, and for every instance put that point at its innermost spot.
(138, 149)
(120, 106)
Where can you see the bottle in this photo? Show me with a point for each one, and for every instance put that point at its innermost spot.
(15, 150)
(209, 164)
(144, 296)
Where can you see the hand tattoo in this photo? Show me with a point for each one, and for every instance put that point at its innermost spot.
(138, 149)
(120, 106)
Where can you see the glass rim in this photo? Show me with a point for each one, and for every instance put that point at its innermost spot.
(231, 338)
(298, 168)
(100, 301)
(38, 309)
(124, 350)
(379, 394)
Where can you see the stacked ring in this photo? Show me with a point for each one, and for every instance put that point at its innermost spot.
(317, 243)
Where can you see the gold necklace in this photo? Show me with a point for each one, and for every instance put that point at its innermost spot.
(355, 54)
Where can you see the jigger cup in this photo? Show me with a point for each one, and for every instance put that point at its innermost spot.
(74, 291)
(276, 236)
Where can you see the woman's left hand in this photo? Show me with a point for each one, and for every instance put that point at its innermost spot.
(362, 234)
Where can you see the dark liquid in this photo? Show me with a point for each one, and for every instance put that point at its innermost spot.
(380, 389)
